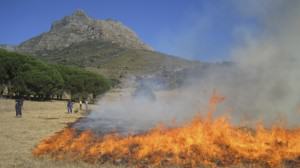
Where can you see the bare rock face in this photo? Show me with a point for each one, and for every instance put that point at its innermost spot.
(79, 28)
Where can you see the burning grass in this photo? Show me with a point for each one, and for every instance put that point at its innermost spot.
(202, 141)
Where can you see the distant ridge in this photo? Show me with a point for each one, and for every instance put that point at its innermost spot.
(8, 47)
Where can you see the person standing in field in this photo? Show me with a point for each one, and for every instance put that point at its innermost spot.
(86, 105)
(80, 105)
(19, 105)
(70, 106)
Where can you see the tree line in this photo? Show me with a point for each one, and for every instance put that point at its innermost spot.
(26, 76)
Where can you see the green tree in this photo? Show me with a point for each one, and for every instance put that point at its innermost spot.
(81, 83)
(28, 76)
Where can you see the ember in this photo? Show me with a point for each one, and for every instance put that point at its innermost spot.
(202, 141)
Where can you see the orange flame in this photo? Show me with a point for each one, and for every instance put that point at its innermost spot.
(202, 141)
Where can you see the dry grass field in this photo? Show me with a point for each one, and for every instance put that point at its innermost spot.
(18, 136)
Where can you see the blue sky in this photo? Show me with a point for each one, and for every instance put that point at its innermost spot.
(195, 29)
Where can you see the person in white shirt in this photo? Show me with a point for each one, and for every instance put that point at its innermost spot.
(86, 105)
(80, 105)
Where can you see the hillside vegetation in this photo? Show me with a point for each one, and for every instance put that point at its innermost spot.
(114, 61)
(24, 75)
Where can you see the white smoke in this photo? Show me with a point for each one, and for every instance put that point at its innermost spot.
(127, 113)
(270, 64)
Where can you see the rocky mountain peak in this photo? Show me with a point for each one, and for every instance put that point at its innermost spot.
(79, 13)
(77, 18)
(79, 27)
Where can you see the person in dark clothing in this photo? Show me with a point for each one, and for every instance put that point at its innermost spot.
(19, 105)
(70, 106)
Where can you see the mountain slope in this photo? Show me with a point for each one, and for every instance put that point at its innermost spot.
(114, 61)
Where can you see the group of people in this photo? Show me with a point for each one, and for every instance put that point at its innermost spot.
(19, 106)
(70, 106)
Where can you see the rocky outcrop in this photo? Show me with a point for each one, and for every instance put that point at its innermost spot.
(79, 27)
